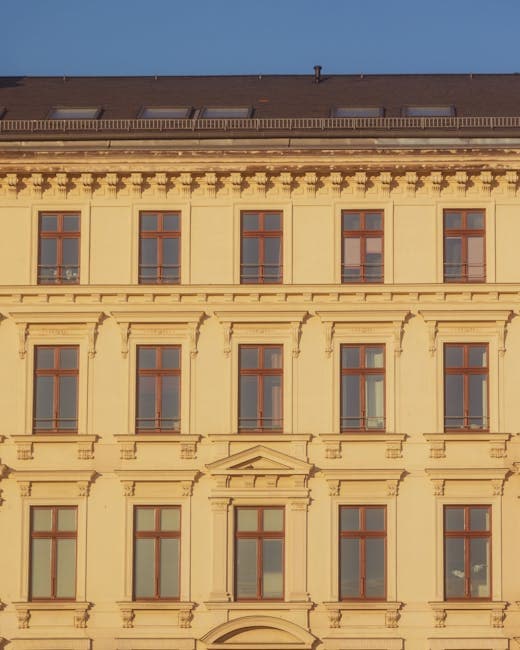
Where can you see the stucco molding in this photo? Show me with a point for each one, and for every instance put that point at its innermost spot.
(184, 479)
(159, 643)
(389, 478)
(334, 442)
(469, 643)
(497, 442)
(51, 644)
(26, 478)
(24, 611)
(183, 610)
(494, 476)
(362, 643)
(25, 444)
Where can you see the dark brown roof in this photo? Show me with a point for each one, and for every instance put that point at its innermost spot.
(270, 96)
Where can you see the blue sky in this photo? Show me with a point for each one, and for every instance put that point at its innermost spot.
(191, 37)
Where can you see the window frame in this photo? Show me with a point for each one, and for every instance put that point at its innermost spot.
(54, 535)
(59, 235)
(157, 535)
(466, 371)
(464, 233)
(158, 373)
(56, 373)
(362, 234)
(259, 535)
(159, 235)
(467, 535)
(261, 372)
(363, 372)
(362, 535)
(261, 235)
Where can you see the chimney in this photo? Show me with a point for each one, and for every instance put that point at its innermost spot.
(317, 74)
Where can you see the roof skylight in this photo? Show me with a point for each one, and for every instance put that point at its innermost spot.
(74, 113)
(224, 112)
(165, 112)
(429, 111)
(358, 111)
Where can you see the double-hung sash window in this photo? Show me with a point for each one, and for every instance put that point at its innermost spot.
(466, 386)
(467, 552)
(260, 390)
(157, 538)
(362, 254)
(362, 554)
(159, 248)
(261, 248)
(259, 553)
(58, 248)
(53, 553)
(158, 388)
(362, 387)
(55, 389)
(464, 240)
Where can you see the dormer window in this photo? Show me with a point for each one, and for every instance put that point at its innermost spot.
(429, 111)
(74, 113)
(165, 112)
(358, 111)
(226, 112)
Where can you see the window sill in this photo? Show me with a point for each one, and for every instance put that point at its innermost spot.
(334, 441)
(184, 610)
(497, 441)
(495, 607)
(128, 443)
(390, 608)
(24, 610)
(25, 443)
(258, 605)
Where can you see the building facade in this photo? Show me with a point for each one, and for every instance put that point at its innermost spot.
(260, 356)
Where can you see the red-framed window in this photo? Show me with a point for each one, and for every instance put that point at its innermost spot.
(58, 247)
(362, 246)
(52, 573)
(157, 552)
(259, 553)
(261, 248)
(466, 399)
(362, 387)
(159, 248)
(260, 388)
(467, 552)
(464, 246)
(362, 553)
(56, 376)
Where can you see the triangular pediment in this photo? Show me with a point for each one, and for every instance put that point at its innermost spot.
(259, 460)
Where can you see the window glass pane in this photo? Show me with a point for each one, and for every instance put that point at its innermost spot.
(70, 249)
(70, 223)
(67, 519)
(374, 245)
(68, 403)
(475, 220)
(373, 221)
(349, 357)
(44, 402)
(171, 358)
(374, 357)
(41, 568)
(250, 221)
(65, 568)
(249, 357)
(453, 356)
(272, 578)
(476, 258)
(374, 518)
(375, 407)
(148, 255)
(477, 402)
(350, 402)
(272, 406)
(146, 402)
(144, 573)
(479, 560)
(350, 568)
(350, 519)
(249, 402)
(44, 358)
(352, 251)
(272, 254)
(247, 519)
(250, 258)
(170, 251)
(477, 356)
(375, 567)
(454, 568)
(169, 569)
(68, 358)
(148, 222)
(273, 519)
(170, 402)
(144, 519)
(41, 519)
(48, 252)
(453, 519)
(171, 222)
(146, 358)
(48, 223)
(246, 579)
(453, 267)
(452, 220)
(479, 518)
(454, 402)
(272, 222)
(170, 519)
(351, 221)
(273, 357)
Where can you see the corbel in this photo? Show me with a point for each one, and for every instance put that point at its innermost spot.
(432, 336)
(296, 333)
(334, 616)
(186, 181)
(83, 488)
(286, 183)
(85, 449)
(87, 182)
(394, 449)
(37, 185)
(328, 330)
(188, 450)
(260, 183)
(485, 182)
(220, 505)
(336, 179)
(385, 183)
(24, 450)
(439, 617)
(498, 487)
(81, 617)
(136, 183)
(392, 617)
(161, 182)
(498, 448)
(124, 332)
(235, 180)
(511, 178)
(332, 449)
(127, 616)
(438, 449)
(210, 180)
(25, 488)
(398, 331)
(128, 450)
(461, 179)
(501, 332)
(23, 333)
(334, 487)
(12, 185)
(185, 616)
(187, 488)
(392, 487)
(438, 487)
(92, 332)
(360, 183)
(128, 488)
(411, 179)
(498, 616)
(111, 184)
(311, 181)
(194, 331)
(435, 182)
(227, 333)
(62, 181)
(23, 615)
